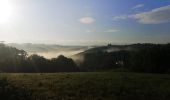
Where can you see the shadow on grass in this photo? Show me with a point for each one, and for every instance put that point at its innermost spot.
(10, 92)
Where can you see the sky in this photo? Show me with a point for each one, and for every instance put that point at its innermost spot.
(85, 22)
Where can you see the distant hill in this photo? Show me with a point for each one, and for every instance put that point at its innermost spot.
(149, 58)
(138, 57)
(78, 58)
(114, 48)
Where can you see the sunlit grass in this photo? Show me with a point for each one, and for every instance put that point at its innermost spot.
(96, 85)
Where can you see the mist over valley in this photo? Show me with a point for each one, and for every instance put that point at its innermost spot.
(50, 50)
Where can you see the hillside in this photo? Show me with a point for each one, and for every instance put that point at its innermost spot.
(135, 57)
(79, 57)
(114, 48)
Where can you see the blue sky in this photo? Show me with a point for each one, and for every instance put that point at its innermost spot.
(85, 22)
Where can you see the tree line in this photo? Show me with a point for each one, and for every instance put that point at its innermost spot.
(14, 60)
(150, 58)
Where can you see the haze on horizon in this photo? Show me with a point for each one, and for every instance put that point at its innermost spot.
(85, 22)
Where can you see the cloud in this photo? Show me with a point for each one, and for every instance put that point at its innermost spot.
(112, 30)
(155, 16)
(121, 17)
(89, 31)
(138, 6)
(101, 31)
(87, 20)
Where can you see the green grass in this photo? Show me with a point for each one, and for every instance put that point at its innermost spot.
(90, 85)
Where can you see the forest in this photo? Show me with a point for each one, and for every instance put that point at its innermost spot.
(148, 58)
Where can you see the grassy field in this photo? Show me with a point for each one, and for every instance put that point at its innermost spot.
(84, 86)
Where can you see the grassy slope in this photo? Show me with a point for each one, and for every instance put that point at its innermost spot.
(93, 86)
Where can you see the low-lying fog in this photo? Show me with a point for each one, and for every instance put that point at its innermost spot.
(50, 51)
(53, 54)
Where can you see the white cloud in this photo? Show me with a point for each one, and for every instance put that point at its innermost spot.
(112, 30)
(138, 6)
(87, 20)
(89, 31)
(101, 31)
(155, 16)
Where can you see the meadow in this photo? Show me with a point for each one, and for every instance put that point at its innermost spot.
(84, 86)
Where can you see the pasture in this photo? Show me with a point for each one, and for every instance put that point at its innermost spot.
(84, 86)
